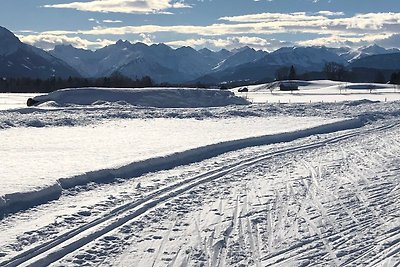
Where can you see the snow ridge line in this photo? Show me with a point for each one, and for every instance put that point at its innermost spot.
(23, 200)
(56, 249)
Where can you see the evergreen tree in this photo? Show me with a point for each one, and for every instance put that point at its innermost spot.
(292, 73)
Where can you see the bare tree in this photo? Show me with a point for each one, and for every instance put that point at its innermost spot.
(334, 71)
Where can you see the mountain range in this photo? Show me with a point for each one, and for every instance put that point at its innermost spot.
(182, 65)
(21, 60)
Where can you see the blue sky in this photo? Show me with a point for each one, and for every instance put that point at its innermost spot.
(216, 24)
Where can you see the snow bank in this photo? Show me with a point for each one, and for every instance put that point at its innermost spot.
(17, 201)
(23, 200)
(148, 97)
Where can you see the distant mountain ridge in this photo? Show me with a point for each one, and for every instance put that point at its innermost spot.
(183, 65)
(381, 62)
(187, 65)
(21, 60)
(304, 59)
(159, 61)
(351, 55)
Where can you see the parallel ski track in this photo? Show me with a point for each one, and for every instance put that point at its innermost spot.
(53, 250)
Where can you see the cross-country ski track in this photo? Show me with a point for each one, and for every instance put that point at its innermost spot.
(305, 202)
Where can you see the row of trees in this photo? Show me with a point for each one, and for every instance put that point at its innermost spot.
(29, 85)
(333, 71)
(337, 72)
(395, 78)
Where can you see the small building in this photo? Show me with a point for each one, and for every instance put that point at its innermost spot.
(288, 86)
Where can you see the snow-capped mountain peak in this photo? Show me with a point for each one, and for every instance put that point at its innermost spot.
(355, 54)
(307, 57)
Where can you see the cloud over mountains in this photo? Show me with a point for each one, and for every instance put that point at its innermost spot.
(123, 6)
(321, 28)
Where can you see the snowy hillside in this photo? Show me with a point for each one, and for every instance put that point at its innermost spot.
(118, 177)
(320, 91)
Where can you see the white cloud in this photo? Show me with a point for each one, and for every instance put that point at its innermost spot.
(273, 17)
(112, 21)
(330, 13)
(304, 21)
(209, 30)
(231, 43)
(147, 38)
(104, 21)
(390, 41)
(123, 6)
(94, 20)
(272, 23)
(337, 41)
(330, 28)
(48, 41)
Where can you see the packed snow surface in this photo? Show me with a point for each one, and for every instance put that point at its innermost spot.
(148, 97)
(277, 184)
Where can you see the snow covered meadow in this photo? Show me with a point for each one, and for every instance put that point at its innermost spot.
(191, 177)
(322, 91)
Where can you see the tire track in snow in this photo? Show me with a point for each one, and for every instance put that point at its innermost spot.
(311, 224)
(346, 244)
(64, 244)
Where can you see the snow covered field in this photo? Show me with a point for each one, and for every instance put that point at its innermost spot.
(114, 144)
(321, 91)
(10, 101)
(299, 184)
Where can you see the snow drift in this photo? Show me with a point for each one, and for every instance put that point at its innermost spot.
(148, 97)
(22, 200)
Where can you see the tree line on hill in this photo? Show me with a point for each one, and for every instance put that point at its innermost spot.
(395, 78)
(29, 85)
